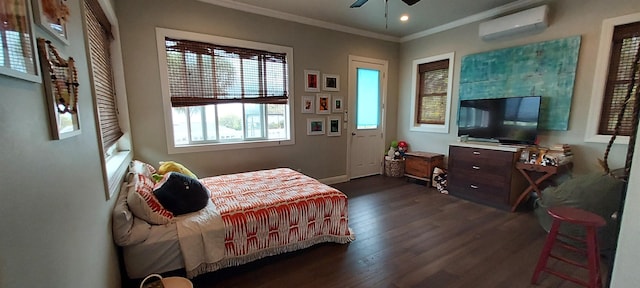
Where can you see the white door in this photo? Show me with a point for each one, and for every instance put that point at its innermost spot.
(367, 90)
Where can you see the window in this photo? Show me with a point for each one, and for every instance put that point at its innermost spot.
(619, 50)
(432, 78)
(623, 72)
(103, 37)
(223, 93)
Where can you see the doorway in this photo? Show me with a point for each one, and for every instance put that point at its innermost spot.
(367, 98)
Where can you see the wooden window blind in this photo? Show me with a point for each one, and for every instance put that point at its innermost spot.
(203, 73)
(625, 50)
(99, 33)
(432, 92)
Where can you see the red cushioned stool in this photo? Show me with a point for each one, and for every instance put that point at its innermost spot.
(590, 222)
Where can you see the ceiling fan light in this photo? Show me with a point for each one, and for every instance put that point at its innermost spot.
(404, 18)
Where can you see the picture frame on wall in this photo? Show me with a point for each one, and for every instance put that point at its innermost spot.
(323, 104)
(308, 104)
(334, 126)
(337, 105)
(330, 82)
(23, 63)
(50, 15)
(61, 91)
(311, 81)
(315, 126)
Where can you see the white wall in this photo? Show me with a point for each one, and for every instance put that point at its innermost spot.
(625, 268)
(54, 217)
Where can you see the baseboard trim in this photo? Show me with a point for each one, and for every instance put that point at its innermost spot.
(334, 180)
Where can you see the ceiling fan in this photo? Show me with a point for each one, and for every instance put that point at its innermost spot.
(359, 3)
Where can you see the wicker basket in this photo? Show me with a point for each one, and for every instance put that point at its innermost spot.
(393, 167)
(167, 282)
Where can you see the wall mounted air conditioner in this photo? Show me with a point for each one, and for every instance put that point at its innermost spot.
(531, 20)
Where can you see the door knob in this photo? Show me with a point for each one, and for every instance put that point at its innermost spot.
(353, 133)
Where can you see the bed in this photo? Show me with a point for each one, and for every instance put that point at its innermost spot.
(249, 216)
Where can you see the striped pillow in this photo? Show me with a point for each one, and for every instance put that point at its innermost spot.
(143, 204)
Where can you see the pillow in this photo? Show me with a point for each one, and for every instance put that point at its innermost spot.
(171, 166)
(181, 194)
(139, 167)
(144, 204)
(127, 229)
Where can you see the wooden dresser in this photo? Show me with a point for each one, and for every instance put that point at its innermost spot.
(419, 165)
(485, 174)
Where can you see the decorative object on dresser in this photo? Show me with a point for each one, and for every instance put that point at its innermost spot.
(419, 165)
(485, 174)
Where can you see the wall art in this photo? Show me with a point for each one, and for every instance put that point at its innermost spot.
(60, 79)
(18, 45)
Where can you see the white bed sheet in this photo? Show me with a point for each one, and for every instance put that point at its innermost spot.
(159, 252)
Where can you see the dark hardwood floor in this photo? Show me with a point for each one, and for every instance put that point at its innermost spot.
(409, 235)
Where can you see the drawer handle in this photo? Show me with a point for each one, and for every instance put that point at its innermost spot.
(475, 167)
(476, 153)
(473, 186)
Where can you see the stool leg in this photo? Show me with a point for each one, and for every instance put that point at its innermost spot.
(546, 251)
(593, 253)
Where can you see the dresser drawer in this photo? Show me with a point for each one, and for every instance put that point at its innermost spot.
(498, 169)
(486, 194)
(476, 155)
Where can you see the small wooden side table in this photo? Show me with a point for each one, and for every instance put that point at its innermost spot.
(541, 174)
(419, 165)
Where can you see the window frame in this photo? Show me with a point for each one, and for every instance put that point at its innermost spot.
(172, 148)
(600, 80)
(415, 102)
(116, 158)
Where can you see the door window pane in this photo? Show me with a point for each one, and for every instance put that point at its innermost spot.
(368, 99)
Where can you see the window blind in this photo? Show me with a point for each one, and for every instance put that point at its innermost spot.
(625, 50)
(99, 33)
(432, 95)
(203, 73)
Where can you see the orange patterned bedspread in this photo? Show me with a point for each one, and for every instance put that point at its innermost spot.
(274, 211)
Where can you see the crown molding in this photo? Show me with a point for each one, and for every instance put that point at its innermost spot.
(299, 19)
(507, 8)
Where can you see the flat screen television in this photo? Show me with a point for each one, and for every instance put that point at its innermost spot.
(512, 120)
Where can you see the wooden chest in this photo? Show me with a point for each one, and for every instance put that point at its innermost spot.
(419, 165)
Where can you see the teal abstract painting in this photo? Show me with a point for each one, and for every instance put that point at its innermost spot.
(546, 69)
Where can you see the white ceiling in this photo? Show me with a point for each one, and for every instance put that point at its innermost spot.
(425, 17)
